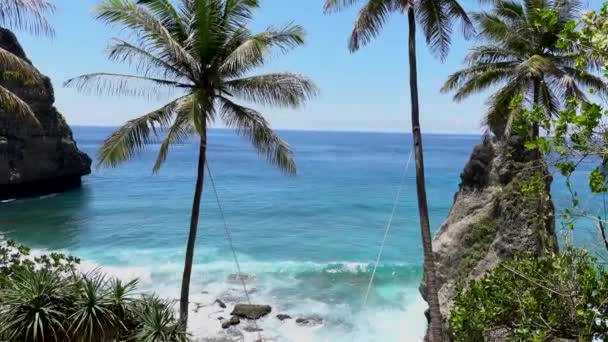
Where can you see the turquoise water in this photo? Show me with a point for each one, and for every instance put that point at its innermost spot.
(307, 241)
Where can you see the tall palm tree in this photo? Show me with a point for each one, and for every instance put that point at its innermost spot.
(520, 52)
(29, 16)
(202, 50)
(436, 18)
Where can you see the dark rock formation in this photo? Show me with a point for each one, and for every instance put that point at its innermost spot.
(251, 311)
(310, 321)
(283, 317)
(220, 303)
(503, 209)
(36, 160)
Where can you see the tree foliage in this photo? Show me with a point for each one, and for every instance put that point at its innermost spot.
(204, 52)
(522, 54)
(536, 299)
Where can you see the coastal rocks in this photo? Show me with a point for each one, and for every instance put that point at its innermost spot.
(234, 320)
(220, 303)
(36, 160)
(503, 209)
(310, 321)
(251, 311)
(282, 317)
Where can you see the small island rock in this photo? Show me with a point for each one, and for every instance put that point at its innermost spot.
(251, 311)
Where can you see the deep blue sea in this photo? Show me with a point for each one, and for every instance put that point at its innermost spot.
(307, 242)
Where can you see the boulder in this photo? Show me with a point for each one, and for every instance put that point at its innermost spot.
(234, 320)
(36, 160)
(283, 317)
(493, 218)
(220, 303)
(251, 311)
(310, 321)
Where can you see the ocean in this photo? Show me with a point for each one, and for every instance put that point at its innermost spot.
(307, 243)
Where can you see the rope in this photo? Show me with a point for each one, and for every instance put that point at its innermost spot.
(388, 228)
(231, 243)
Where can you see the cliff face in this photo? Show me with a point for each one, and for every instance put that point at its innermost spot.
(36, 160)
(503, 208)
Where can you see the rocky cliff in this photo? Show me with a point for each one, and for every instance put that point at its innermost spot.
(36, 160)
(503, 208)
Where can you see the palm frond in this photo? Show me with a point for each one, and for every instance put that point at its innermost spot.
(11, 103)
(482, 81)
(458, 78)
(150, 30)
(548, 100)
(27, 15)
(252, 124)
(237, 13)
(370, 21)
(146, 62)
(208, 36)
(281, 89)
(436, 25)
(500, 112)
(135, 135)
(332, 6)
(250, 51)
(103, 83)
(19, 68)
(593, 83)
(168, 16)
(492, 54)
(180, 130)
(457, 12)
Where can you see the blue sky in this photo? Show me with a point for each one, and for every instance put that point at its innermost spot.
(366, 91)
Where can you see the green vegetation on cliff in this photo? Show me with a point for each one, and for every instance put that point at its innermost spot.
(535, 299)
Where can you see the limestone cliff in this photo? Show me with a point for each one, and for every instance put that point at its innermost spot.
(503, 208)
(36, 160)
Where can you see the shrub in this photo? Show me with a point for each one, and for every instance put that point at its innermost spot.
(46, 298)
(536, 299)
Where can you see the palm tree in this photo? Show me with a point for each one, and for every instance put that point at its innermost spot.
(202, 50)
(29, 16)
(522, 54)
(436, 18)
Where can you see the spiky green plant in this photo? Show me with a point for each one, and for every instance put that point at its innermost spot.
(29, 16)
(92, 317)
(121, 304)
(32, 306)
(157, 322)
(520, 52)
(203, 50)
(436, 18)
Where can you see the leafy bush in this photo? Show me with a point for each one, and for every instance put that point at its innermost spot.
(536, 299)
(45, 298)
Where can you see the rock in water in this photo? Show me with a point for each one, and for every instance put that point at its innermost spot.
(251, 311)
(503, 209)
(36, 160)
(283, 317)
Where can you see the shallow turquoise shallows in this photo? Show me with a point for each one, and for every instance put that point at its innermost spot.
(307, 242)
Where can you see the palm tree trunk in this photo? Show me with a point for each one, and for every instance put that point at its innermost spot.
(423, 210)
(536, 101)
(196, 206)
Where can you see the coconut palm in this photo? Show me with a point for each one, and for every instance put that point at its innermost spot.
(29, 16)
(203, 51)
(436, 18)
(521, 54)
